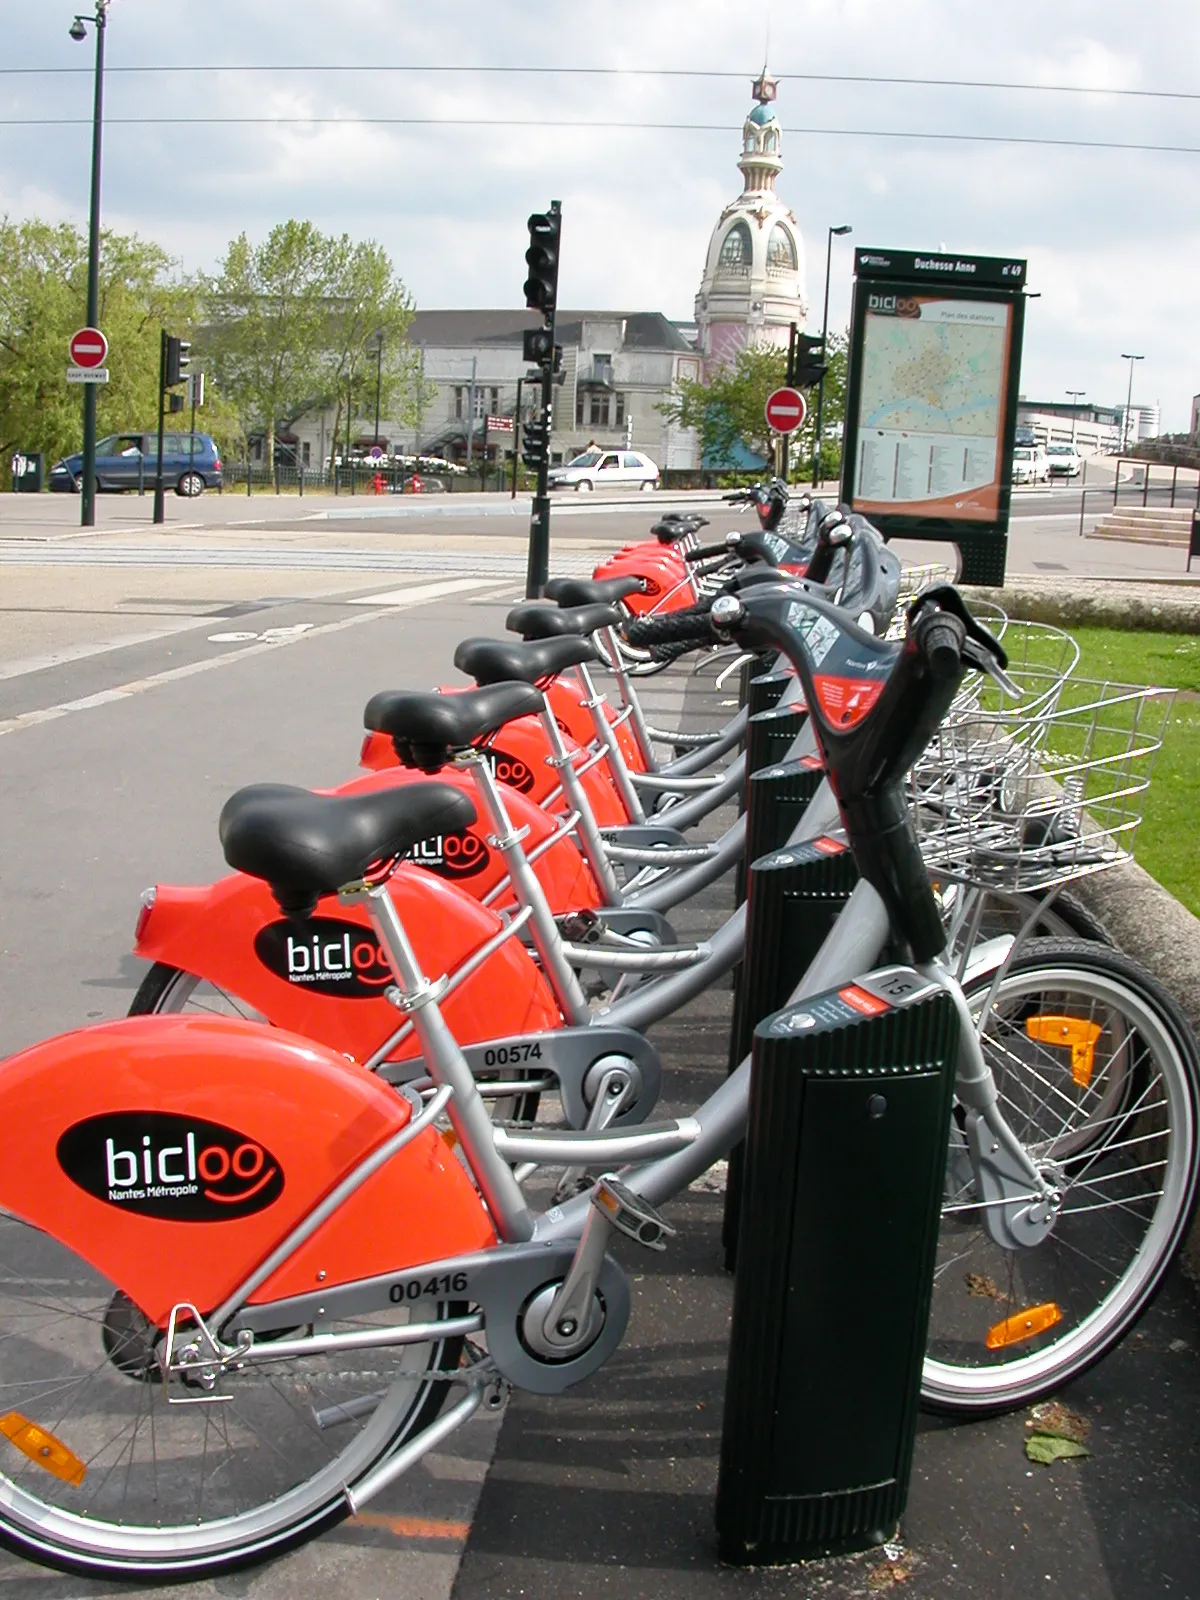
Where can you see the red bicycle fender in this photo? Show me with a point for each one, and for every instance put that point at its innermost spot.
(187, 1148)
(325, 977)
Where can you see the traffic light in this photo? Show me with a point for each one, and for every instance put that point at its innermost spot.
(538, 344)
(808, 364)
(175, 402)
(541, 286)
(178, 353)
(535, 443)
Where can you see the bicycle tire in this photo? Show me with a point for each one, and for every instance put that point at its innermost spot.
(170, 1492)
(1075, 1119)
(167, 988)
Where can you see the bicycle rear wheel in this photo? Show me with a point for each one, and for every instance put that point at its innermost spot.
(1098, 1076)
(116, 1480)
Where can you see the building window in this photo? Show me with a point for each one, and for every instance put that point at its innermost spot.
(781, 250)
(599, 408)
(480, 397)
(305, 453)
(619, 410)
(579, 400)
(493, 402)
(736, 250)
(458, 403)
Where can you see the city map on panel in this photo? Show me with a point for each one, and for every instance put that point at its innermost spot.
(931, 409)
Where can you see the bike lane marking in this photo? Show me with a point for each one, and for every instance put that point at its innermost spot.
(65, 708)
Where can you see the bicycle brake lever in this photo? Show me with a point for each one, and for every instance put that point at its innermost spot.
(975, 655)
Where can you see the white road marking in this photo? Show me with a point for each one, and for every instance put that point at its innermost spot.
(282, 641)
(426, 591)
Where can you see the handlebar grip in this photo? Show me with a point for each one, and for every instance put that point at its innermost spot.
(692, 626)
(941, 642)
(706, 552)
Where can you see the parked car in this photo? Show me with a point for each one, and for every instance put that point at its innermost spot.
(1063, 461)
(1030, 464)
(606, 469)
(191, 464)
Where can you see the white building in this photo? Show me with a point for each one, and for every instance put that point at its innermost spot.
(618, 368)
(753, 284)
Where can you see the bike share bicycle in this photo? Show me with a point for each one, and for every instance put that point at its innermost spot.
(227, 948)
(246, 1283)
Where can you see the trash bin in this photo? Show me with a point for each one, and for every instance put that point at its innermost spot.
(28, 472)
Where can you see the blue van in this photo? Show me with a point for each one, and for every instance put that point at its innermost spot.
(191, 464)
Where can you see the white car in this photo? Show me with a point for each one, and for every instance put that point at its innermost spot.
(606, 469)
(1063, 461)
(1030, 464)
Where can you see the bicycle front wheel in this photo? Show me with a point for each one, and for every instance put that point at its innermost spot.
(101, 1473)
(1098, 1076)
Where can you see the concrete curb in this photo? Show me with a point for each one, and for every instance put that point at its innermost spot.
(1142, 606)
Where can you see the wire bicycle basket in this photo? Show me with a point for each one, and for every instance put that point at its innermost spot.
(1028, 798)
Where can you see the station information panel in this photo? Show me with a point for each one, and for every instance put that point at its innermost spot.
(931, 407)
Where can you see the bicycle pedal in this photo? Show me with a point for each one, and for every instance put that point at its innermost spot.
(630, 1214)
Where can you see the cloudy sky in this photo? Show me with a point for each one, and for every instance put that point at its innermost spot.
(1112, 234)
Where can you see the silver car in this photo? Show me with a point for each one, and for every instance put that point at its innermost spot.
(605, 469)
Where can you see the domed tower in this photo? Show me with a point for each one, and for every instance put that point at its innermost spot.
(753, 284)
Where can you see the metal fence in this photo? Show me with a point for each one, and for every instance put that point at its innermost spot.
(1147, 484)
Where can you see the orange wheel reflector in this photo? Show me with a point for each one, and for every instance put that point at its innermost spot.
(42, 1448)
(1075, 1034)
(1023, 1325)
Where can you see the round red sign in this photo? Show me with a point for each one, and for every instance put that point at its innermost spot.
(88, 348)
(785, 410)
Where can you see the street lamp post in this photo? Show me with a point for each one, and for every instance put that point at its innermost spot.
(844, 229)
(1076, 395)
(1128, 399)
(78, 32)
(378, 384)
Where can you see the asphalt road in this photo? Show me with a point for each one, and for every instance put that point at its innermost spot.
(137, 690)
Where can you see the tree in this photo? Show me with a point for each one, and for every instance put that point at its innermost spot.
(729, 409)
(369, 304)
(296, 323)
(268, 313)
(43, 283)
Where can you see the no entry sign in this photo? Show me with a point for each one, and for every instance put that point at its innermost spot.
(785, 410)
(88, 348)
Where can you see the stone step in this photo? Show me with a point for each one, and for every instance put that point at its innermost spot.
(1137, 513)
(1170, 525)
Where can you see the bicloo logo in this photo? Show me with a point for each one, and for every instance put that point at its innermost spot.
(893, 305)
(325, 955)
(451, 855)
(160, 1164)
(509, 769)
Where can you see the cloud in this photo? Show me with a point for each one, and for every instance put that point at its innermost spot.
(1108, 234)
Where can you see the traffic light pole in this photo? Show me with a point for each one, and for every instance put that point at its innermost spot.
(790, 381)
(87, 509)
(516, 437)
(159, 507)
(538, 570)
(541, 294)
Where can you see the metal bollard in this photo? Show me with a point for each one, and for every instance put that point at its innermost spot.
(766, 690)
(769, 735)
(796, 892)
(846, 1151)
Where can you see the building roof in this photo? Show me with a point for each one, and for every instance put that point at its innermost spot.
(644, 330)
(762, 114)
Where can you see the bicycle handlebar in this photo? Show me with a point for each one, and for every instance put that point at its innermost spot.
(691, 626)
(706, 552)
